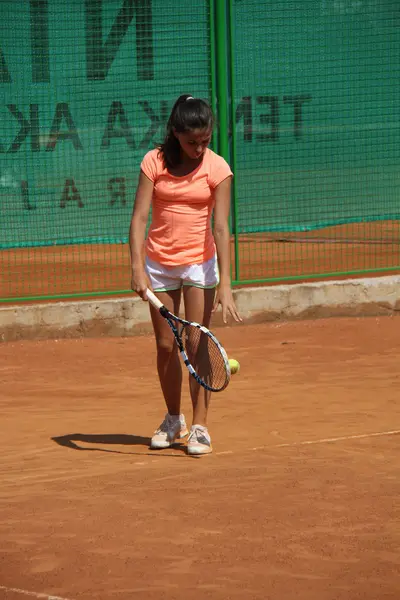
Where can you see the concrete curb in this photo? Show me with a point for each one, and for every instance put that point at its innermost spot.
(130, 316)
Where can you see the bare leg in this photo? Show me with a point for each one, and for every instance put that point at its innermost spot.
(198, 307)
(168, 361)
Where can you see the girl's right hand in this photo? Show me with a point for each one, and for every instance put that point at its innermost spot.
(139, 283)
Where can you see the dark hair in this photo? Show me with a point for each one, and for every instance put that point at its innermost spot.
(188, 113)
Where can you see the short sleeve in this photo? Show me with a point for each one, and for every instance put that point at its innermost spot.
(151, 164)
(219, 170)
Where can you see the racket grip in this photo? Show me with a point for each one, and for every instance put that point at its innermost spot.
(152, 298)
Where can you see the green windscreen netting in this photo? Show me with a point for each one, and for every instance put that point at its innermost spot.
(87, 86)
(313, 92)
(317, 92)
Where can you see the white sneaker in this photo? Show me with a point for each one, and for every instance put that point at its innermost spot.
(173, 427)
(199, 441)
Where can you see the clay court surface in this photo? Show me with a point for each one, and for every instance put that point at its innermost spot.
(299, 501)
(344, 250)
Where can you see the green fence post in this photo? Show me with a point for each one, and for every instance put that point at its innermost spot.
(221, 32)
(231, 42)
(213, 74)
(225, 99)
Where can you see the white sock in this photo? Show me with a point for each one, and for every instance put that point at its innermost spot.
(175, 418)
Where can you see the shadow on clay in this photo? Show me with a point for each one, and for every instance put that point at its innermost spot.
(72, 440)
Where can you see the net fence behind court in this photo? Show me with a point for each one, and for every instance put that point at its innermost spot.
(316, 96)
(87, 87)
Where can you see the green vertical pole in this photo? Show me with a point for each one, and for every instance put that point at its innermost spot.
(232, 66)
(221, 56)
(213, 74)
(225, 97)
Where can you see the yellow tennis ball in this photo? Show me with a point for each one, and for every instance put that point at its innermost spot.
(234, 365)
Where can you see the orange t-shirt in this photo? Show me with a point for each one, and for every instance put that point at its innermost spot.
(180, 232)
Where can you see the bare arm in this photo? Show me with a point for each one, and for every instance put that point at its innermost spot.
(222, 194)
(137, 233)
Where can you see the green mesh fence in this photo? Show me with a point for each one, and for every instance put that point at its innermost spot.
(87, 85)
(316, 97)
(317, 110)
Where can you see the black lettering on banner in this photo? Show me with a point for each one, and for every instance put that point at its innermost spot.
(30, 127)
(144, 40)
(40, 41)
(297, 102)
(117, 188)
(62, 112)
(5, 76)
(156, 121)
(271, 119)
(99, 56)
(245, 110)
(25, 196)
(117, 112)
(70, 193)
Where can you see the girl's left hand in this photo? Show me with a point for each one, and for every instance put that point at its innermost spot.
(224, 297)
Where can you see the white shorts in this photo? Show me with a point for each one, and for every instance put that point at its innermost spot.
(162, 278)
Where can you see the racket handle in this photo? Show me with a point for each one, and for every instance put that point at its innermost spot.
(152, 298)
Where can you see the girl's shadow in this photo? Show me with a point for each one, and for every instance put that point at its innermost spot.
(72, 440)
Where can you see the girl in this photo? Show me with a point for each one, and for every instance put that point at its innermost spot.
(185, 182)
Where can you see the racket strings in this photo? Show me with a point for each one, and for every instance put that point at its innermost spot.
(205, 356)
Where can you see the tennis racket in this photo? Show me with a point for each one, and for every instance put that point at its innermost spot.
(200, 350)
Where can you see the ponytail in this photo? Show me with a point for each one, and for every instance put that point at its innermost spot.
(188, 113)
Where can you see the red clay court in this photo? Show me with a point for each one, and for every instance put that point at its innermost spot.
(333, 252)
(299, 500)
